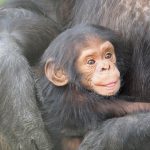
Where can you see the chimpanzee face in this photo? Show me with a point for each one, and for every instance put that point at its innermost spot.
(97, 66)
(89, 54)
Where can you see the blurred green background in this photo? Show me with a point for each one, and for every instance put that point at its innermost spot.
(2, 1)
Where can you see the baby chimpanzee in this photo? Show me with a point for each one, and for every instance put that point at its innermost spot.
(85, 66)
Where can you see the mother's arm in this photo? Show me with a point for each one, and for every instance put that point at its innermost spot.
(126, 133)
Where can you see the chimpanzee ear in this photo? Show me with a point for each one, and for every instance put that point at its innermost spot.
(57, 76)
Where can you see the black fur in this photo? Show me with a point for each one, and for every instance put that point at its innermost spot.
(131, 19)
(72, 106)
(24, 35)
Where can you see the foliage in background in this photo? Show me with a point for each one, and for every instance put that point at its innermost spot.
(2, 1)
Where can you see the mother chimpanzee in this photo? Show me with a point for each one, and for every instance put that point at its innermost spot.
(131, 19)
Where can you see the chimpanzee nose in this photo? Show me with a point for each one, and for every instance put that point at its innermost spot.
(103, 66)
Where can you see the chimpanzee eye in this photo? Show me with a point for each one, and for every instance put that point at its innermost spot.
(91, 62)
(108, 55)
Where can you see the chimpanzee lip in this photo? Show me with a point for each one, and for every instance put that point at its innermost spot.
(108, 84)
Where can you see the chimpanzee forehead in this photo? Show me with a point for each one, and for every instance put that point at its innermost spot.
(97, 48)
(88, 42)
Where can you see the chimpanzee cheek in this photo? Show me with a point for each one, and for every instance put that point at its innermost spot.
(117, 73)
(86, 80)
(98, 79)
